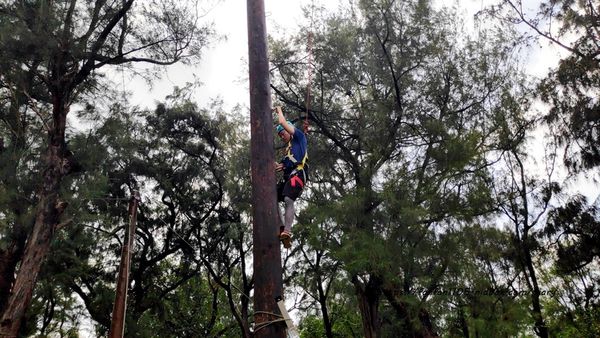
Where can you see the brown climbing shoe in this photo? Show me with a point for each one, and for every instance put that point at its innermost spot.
(286, 239)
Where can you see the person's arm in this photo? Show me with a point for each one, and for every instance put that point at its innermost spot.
(281, 119)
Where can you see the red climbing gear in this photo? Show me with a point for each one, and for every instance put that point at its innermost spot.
(295, 180)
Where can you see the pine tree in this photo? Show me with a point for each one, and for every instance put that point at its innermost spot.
(407, 117)
(570, 89)
(62, 46)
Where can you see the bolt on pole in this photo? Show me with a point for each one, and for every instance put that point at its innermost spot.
(267, 253)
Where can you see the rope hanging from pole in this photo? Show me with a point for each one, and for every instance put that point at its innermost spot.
(309, 49)
(309, 81)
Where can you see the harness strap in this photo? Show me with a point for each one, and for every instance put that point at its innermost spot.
(294, 174)
(291, 157)
(295, 179)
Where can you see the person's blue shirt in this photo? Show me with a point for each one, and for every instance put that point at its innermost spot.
(298, 145)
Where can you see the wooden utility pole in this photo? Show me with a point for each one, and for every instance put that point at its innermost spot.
(117, 325)
(268, 283)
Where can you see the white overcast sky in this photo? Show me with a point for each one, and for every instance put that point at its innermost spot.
(223, 69)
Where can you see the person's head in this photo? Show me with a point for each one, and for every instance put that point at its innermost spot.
(282, 133)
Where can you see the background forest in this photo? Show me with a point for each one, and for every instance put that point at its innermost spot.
(443, 196)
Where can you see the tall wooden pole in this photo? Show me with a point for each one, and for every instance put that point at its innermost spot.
(267, 255)
(117, 325)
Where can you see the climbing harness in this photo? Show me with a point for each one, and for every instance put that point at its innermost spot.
(299, 165)
(291, 157)
(296, 180)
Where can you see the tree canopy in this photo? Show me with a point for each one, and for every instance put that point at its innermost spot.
(437, 205)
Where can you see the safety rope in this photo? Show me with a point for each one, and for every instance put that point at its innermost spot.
(309, 79)
(262, 325)
(309, 50)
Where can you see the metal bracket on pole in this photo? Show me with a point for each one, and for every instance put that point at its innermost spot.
(288, 321)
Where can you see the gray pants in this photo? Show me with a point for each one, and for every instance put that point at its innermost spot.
(288, 217)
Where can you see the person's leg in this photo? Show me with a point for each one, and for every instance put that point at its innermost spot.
(291, 191)
(290, 211)
(285, 234)
(281, 217)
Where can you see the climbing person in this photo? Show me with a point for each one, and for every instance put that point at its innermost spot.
(294, 168)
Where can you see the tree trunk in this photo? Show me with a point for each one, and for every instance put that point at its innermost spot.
(424, 328)
(9, 259)
(540, 325)
(322, 297)
(48, 213)
(324, 310)
(368, 302)
(464, 326)
(525, 244)
(35, 251)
